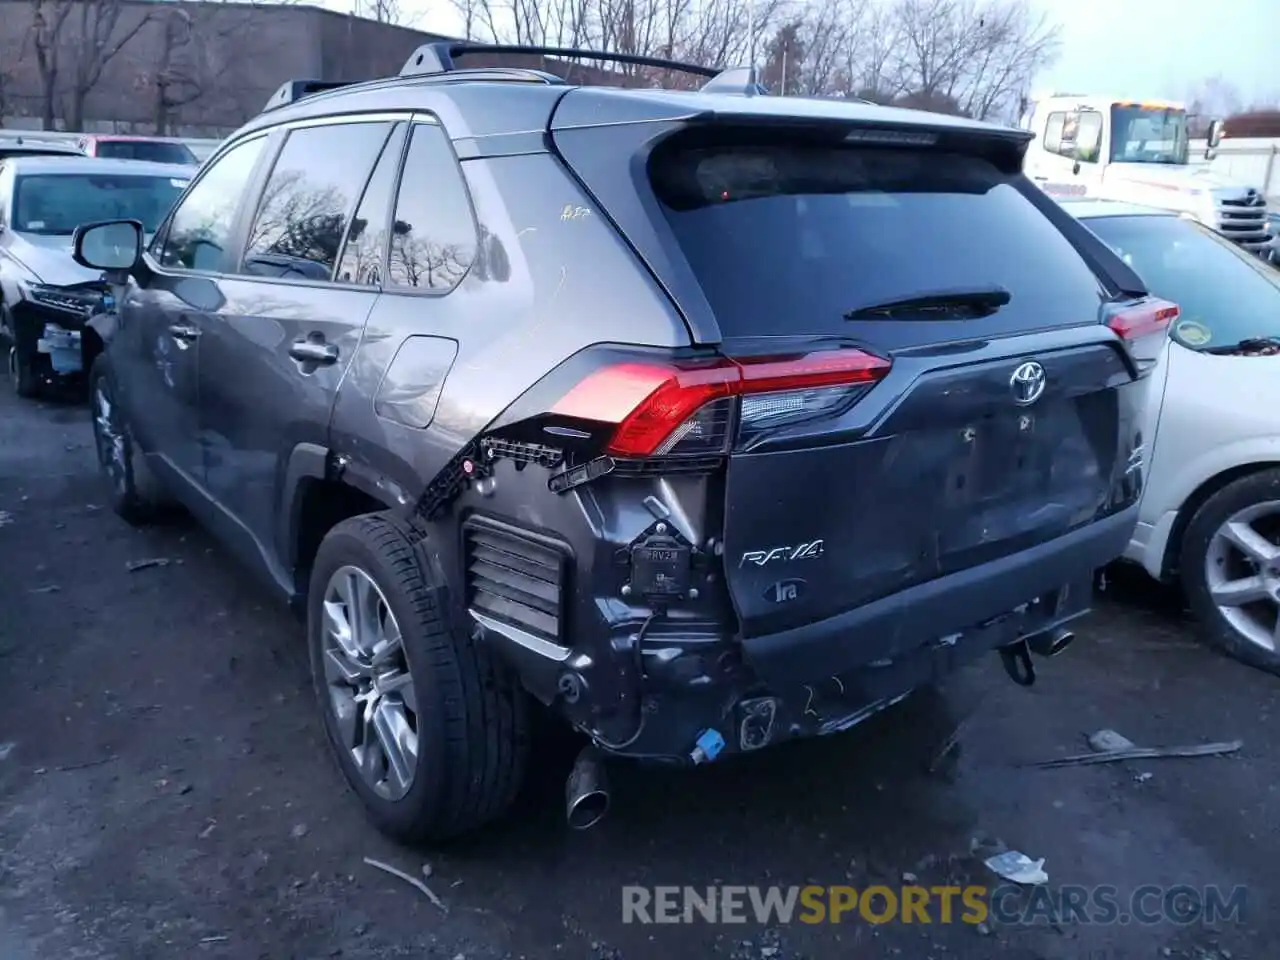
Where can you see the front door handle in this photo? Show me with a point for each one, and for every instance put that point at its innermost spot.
(313, 351)
(1040, 179)
(183, 331)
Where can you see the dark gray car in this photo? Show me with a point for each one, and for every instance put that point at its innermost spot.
(707, 419)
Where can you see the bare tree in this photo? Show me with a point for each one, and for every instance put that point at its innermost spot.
(383, 11)
(48, 21)
(1212, 98)
(75, 41)
(202, 64)
(178, 78)
(11, 61)
(785, 59)
(970, 56)
(710, 32)
(192, 52)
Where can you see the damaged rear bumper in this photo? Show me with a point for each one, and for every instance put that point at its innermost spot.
(691, 696)
(885, 628)
(737, 712)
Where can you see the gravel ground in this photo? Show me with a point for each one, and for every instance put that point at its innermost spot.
(165, 792)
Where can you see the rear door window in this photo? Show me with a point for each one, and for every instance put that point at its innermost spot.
(364, 255)
(309, 199)
(788, 238)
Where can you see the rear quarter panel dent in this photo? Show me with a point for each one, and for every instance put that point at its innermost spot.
(567, 281)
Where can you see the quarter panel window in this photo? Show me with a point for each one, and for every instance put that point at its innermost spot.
(309, 199)
(433, 236)
(200, 228)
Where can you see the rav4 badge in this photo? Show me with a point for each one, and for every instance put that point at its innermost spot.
(804, 551)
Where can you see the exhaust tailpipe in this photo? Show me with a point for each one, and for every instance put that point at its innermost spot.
(586, 792)
(1051, 643)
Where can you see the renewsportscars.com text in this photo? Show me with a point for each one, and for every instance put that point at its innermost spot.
(1006, 905)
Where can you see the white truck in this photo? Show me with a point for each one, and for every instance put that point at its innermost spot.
(1137, 151)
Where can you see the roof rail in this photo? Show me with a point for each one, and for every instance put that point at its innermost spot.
(438, 57)
(292, 91)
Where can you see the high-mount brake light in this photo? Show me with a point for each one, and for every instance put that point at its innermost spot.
(664, 408)
(1149, 317)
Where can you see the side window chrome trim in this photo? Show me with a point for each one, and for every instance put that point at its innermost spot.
(342, 119)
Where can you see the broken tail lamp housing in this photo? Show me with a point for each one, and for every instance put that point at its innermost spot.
(676, 409)
(1144, 327)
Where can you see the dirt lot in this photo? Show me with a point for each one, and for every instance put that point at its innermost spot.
(164, 791)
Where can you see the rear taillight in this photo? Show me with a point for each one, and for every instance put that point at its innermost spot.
(1144, 327)
(1143, 319)
(686, 409)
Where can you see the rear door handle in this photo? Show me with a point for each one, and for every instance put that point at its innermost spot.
(314, 351)
(182, 331)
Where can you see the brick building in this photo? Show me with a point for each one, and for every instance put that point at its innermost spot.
(187, 68)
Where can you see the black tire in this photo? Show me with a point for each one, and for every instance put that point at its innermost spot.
(1217, 630)
(473, 718)
(135, 494)
(23, 375)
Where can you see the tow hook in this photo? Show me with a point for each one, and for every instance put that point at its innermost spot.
(1016, 658)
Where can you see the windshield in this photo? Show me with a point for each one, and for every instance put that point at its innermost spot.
(1148, 134)
(1226, 294)
(55, 204)
(158, 151)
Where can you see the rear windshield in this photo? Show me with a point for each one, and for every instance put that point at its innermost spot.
(786, 239)
(55, 204)
(33, 150)
(154, 150)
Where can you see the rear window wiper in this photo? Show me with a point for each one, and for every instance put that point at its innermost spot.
(961, 303)
(1247, 345)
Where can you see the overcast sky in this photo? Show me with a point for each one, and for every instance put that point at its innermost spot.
(1132, 48)
(1160, 48)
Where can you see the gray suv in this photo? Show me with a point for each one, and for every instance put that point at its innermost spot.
(707, 419)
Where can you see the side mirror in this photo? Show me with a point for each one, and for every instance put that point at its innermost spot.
(114, 246)
(1215, 133)
(1087, 149)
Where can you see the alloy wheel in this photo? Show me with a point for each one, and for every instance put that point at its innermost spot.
(370, 687)
(1242, 571)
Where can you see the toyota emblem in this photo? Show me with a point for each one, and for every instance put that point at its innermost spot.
(1027, 383)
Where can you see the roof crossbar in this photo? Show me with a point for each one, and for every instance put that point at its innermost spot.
(436, 59)
(439, 55)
